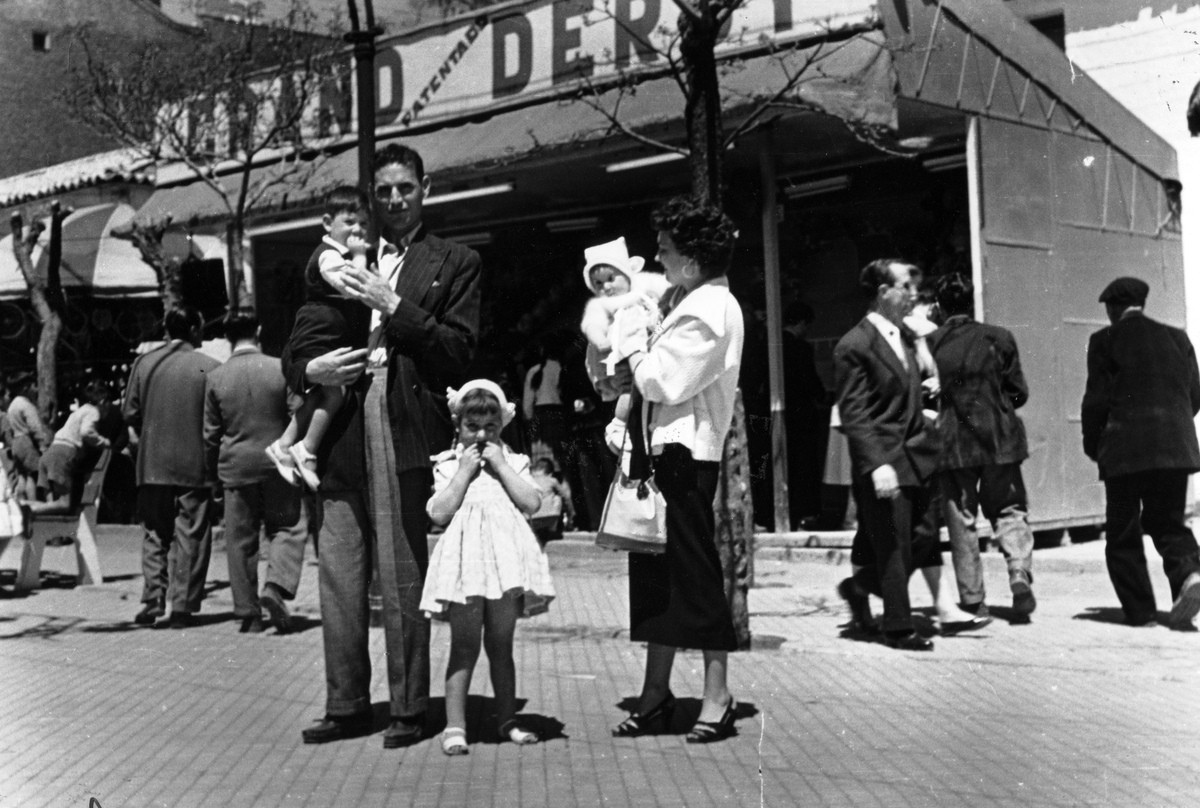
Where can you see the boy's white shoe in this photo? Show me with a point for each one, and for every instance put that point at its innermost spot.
(306, 465)
(283, 463)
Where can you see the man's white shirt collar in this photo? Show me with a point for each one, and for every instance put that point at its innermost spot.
(891, 334)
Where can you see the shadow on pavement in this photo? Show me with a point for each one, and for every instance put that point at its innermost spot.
(301, 623)
(1111, 614)
(48, 628)
(687, 710)
(1010, 615)
(119, 627)
(203, 619)
(481, 720)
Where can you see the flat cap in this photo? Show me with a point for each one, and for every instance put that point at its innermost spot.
(1125, 292)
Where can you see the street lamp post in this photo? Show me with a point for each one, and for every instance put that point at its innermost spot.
(363, 40)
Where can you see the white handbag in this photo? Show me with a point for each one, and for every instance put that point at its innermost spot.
(635, 512)
(634, 517)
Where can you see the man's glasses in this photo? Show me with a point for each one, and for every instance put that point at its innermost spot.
(384, 192)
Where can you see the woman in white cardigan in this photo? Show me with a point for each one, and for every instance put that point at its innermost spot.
(685, 378)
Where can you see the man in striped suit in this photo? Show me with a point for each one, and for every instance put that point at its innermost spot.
(377, 452)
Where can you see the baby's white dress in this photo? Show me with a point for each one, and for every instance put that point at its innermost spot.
(488, 548)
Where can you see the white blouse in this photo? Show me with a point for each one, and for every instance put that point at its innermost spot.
(690, 371)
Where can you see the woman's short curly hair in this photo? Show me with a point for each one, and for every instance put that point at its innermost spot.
(699, 231)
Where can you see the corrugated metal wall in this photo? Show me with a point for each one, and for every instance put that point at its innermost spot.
(1064, 214)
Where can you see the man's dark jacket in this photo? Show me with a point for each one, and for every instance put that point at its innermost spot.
(1143, 390)
(982, 388)
(880, 405)
(164, 403)
(431, 340)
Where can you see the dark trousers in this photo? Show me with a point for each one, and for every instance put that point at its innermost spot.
(349, 554)
(1153, 502)
(892, 533)
(175, 516)
(276, 506)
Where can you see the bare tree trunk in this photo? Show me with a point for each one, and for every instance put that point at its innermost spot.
(235, 234)
(702, 109)
(168, 272)
(48, 302)
(735, 525)
(734, 509)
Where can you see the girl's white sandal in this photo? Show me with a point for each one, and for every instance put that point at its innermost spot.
(454, 741)
(511, 730)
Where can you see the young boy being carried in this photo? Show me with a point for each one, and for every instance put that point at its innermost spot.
(331, 318)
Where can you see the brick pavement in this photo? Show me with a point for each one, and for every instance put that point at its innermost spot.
(1075, 709)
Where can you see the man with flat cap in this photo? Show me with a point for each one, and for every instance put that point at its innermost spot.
(1143, 391)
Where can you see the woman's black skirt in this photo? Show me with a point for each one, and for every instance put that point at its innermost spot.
(678, 598)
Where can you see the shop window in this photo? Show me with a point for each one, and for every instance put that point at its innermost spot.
(41, 41)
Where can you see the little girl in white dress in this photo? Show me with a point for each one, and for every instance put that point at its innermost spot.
(487, 567)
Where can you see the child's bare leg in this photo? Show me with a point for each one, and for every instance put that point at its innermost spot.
(466, 623)
(326, 401)
(500, 623)
(622, 407)
(300, 420)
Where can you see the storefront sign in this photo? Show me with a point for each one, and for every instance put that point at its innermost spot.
(544, 48)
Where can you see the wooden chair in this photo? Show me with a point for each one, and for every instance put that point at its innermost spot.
(79, 525)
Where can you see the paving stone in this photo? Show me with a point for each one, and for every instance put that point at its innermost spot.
(1073, 709)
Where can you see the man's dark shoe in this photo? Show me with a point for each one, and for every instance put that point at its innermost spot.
(1023, 600)
(337, 727)
(272, 601)
(252, 625)
(860, 608)
(176, 620)
(153, 610)
(912, 641)
(404, 731)
(979, 609)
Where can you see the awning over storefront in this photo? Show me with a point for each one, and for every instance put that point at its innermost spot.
(977, 56)
(126, 165)
(852, 80)
(93, 259)
(971, 55)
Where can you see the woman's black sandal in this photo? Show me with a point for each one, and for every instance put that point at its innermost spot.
(711, 731)
(637, 724)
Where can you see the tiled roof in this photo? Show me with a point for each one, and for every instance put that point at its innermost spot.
(120, 164)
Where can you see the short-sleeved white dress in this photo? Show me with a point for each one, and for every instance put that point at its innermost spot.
(488, 548)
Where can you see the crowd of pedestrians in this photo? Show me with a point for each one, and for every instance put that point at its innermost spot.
(368, 432)
(912, 466)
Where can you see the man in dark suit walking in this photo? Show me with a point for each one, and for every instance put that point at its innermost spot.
(983, 446)
(1143, 390)
(164, 403)
(245, 408)
(376, 456)
(893, 451)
